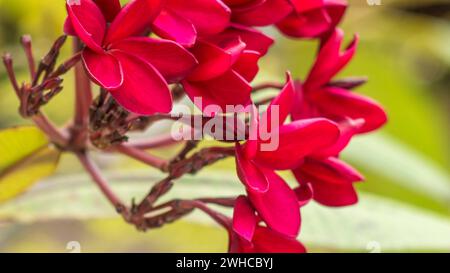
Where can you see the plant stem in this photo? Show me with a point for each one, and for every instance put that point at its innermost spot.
(55, 135)
(26, 43)
(269, 85)
(83, 100)
(143, 156)
(90, 166)
(156, 142)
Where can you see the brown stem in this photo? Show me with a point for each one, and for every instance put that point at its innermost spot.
(83, 100)
(26, 43)
(156, 142)
(143, 156)
(269, 85)
(8, 62)
(101, 182)
(55, 135)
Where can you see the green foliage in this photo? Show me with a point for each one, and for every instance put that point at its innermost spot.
(25, 158)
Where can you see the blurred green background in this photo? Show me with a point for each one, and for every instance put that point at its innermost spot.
(405, 202)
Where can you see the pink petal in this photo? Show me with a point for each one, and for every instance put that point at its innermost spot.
(307, 5)
(133, 19)
(244, 218)
(214, 60)
(169, 58)
(110, 8)
(334, 101)
(171, 26)
(104, 69)
(304, 194)
(332, 181)
(229, 89)
(247, 65)
(252, 176)
(208, 16)
(271, 11)
(252, 144)
(330, 61)
(330, 170)
(335, 195)
(68, 28)
(306, 25)
(88, 22)
(144, 91)
(278, 207)
(348, 128)
(282, 103)
(336, 10)
(253, 38)
(297, 140)
(268, 241)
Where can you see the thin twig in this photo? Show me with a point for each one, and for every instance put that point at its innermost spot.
(143, 157)
(90, 166)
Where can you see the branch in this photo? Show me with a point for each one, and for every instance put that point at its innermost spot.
(101, 182)
(143, 157)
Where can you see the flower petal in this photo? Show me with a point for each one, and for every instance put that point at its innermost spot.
(171, 26)
(339, 102)
(253, 38)
(244, 218)
(331, 179)
(144, 91)
(215, 60)
(104, 69)
(88, 22)
(269, 12)
(169, 58)
(307, 25)
(247, 65)
(330, 61)
(297, 140)
(109, 8)
(208, 16)
(229, 89)
(269, 241)
(278, 207)
(282, 104)
(133, 19)
(348, 128)
(252, 176)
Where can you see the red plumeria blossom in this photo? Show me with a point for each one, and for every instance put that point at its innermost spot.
(248, 236)
(135, 70)
(315, 97)
(312, 18)
(183, 21)
(276, 203)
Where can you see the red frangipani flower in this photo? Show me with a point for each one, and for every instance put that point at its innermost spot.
(182, 21)
(248, 236)
(276, 203)
(315, 97)
(134, 69)
(312, 18)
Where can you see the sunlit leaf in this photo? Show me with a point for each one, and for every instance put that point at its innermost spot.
(25, 157)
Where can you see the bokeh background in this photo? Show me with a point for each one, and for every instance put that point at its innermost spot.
(405, 202)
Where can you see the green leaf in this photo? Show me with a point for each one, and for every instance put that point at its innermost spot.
(374, 222)
(393, 160)
(25, 157)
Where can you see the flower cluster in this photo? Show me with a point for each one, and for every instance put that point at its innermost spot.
(147, 54)
(211, 48)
